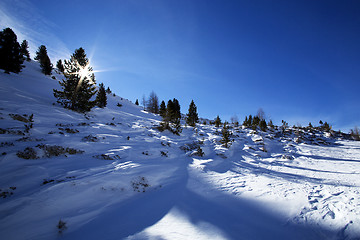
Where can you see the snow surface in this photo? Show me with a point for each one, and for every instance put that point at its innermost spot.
(134, 182)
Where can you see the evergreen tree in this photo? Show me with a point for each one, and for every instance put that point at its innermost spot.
(10, 56)
(263, 125)
(79, 86)
(177, 113)
(43, 58)
(171, 118)
(217, 121)
(270, 124)
(255, 122)
(108, 91)
(162, 110)
(101, 99)
(60, 66)
(24, 50)
(245, 123)
(225, 135)
(137, 102)
(192, 116)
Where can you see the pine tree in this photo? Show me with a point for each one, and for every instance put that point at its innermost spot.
(60, 66)
(162, 110)
(24, 50)
(43, 58)
(137, 102)
(192, 116)
(225, 135)
(108, 91)
(263, 125)
(11, 59)
(101, 99)
(217, 121)
(79, 86)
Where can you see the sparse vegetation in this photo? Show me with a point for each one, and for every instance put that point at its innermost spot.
(61, 226)
(140, 184)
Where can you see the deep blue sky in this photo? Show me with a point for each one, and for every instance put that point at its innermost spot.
(297, 60)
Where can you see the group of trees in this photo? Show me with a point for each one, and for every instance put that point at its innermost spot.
(171, 116)
(12, 54)
(79, 88)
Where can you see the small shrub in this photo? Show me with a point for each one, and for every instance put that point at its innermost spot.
(6, 144)
(61, 226)
(163, 154)
(90, 138)
(199, 152)
(140, 184)
(119, 105)
(107, 157)
(28, 153)
(54, 150)
(24, 118)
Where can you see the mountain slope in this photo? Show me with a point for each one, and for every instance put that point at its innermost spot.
(110, 174)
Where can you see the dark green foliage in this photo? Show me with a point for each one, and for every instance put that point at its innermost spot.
(162, 110)
(101, 99)
(270, 124)
(284, 125)
(108, 91)
(192, 117)
(255, 122)
(173, 110)
(217, 121)
(11, 58)
(79, 85)
(225, 135)
(325, 127)
(24, 50)
(137, 102)
(263, 125)
(248, 122)
(43, 58)
(171, 119)
(60, 66)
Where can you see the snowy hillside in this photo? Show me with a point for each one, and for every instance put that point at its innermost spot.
(110, 174)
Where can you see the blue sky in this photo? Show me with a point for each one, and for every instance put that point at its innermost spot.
(297, 60)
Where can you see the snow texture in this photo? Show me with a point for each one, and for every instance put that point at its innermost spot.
(110, 174)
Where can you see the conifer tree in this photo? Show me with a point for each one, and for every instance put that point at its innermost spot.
(108, 91)
(43, 58)
(60, 66)
(217, 121)
(192, 116)
(79, 86)
(162, 110)
(137, 102)
(101, 99)
(225, 135)
(263, 125)
(24, 50)
(11, 59)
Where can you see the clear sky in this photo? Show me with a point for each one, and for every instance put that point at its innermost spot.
(297, 60)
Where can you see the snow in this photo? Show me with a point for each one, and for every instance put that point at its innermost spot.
(134, 182)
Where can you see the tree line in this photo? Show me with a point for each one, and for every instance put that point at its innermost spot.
(79, 87)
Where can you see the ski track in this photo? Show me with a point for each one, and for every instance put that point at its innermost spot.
(262, 187)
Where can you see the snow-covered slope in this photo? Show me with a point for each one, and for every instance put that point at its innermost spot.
(110, 174)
